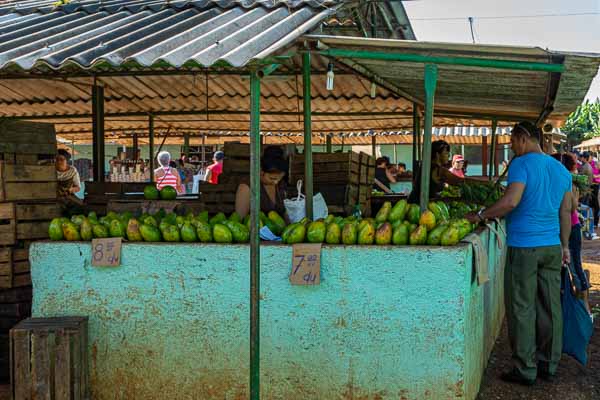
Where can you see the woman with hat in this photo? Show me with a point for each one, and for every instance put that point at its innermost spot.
(273, 169)
(458, 164)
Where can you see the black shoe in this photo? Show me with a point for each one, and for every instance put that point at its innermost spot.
(514, 376)
(544, 373)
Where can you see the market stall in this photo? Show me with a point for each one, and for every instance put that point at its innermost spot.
(386, 321)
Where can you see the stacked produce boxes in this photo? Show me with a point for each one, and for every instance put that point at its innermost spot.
(27, 204)
(344, 179)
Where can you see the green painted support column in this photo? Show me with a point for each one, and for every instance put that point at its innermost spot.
(254, 236)
(186, 145)
(308, 161)
(416, 135)
(431, 74)
(374, 145)
(494, 144)
(328, 144)
(151, 146)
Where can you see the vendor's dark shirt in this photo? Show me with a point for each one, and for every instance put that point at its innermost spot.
(381, 176)
(267, 205)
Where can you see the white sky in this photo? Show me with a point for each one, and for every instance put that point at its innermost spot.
(572, 33)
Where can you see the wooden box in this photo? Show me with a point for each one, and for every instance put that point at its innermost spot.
(26, 142)
(26, 221)
(14, 269)
(27, 182)
(216, 198)
(49, 358)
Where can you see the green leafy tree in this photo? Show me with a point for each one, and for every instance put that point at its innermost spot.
(583, 123)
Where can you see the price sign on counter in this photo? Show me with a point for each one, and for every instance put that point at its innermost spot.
(106, 252)
(306, 264)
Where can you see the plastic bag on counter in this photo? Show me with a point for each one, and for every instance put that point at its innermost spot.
(296, 208)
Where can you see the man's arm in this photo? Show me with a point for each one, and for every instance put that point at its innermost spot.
(565, 224)
(507, 203)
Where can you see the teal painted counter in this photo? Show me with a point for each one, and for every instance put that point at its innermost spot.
(172, 321)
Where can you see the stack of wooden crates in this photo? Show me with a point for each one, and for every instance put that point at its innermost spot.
(27, 204)
(344, 179)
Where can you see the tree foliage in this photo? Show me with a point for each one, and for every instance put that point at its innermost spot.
(584, 122)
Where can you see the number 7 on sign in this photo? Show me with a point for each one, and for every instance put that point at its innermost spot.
(299, 264)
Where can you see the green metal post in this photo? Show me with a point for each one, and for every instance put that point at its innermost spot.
(328, 143)
(467, 61)
(494, 144)
(254, 236)
(151, 145)
(308, 161)
(416, 133)
(431, 73)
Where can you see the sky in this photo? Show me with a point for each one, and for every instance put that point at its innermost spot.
(447, 21)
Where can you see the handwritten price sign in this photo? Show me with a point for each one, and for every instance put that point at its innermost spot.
(106, 252)
(306, 264)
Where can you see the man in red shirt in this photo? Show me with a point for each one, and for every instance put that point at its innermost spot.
(216, 168)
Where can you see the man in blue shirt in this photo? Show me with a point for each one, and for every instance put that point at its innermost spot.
(537, 206)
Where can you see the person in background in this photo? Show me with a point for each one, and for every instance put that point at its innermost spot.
(458, 163)
(273, 168)
(465, 167)
(580, 279)
(591, 199)
(167, 174)
(538, 207)
(69, 183)
(401, 168)
(216, 168)
(383, 177)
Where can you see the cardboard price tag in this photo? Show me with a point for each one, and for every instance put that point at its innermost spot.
(306, 264)
(106, 252)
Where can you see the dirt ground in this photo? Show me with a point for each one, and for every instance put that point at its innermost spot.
(573, 382)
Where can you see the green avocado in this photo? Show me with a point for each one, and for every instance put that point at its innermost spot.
(399, 211)
(204, 232)
(171, 234)
(414, 213)
(383, 235)
(100, 231)
(55, 231)
(150, 233)
(222, 234)
(400, 235)
(235, 217)
(133, 231)
(349, 234)
(218, 219)
(434, 238)
(117, 229)
(316, 232)
(366, 232)
(188, 233)
(334, 234)
(297, 234)
(86, 230)
(384, 212)
(239, 232)
(71, 231)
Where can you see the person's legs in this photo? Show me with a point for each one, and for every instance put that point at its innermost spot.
(595, 205)
(579, 278)
(520, 282)
(549, 321)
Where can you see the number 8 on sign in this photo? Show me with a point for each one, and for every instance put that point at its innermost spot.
(98, 252)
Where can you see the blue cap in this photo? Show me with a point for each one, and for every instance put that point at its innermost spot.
(219, 155)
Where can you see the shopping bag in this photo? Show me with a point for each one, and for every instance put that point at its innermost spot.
(577, 323)
(295, 208)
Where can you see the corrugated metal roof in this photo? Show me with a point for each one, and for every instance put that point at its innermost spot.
(35, 35)
(472, 89)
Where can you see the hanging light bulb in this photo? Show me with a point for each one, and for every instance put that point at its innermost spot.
(373, 90)
(330, 76)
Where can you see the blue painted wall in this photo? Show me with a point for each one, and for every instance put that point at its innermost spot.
(172, 321)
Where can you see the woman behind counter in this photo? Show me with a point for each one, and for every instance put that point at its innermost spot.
(273, 168)
(440, 175)
(69, 183)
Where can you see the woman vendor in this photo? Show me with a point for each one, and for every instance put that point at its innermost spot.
(440, 175)
(69, 183)
(273, 168)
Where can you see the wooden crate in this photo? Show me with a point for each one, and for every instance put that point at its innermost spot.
(25, 142)
(26, 221)
(14, 268)
(27, 182)
(216, 198)
(49, 358)
(331, 168)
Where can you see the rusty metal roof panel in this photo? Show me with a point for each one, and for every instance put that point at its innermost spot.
(145, 33)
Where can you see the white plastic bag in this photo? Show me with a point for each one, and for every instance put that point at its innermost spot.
(296, 210)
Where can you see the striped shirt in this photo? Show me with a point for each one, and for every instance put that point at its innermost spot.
(168, 179)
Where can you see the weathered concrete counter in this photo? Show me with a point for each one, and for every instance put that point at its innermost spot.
(172, 321)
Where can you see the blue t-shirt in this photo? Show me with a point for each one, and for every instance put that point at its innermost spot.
(535, 221)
